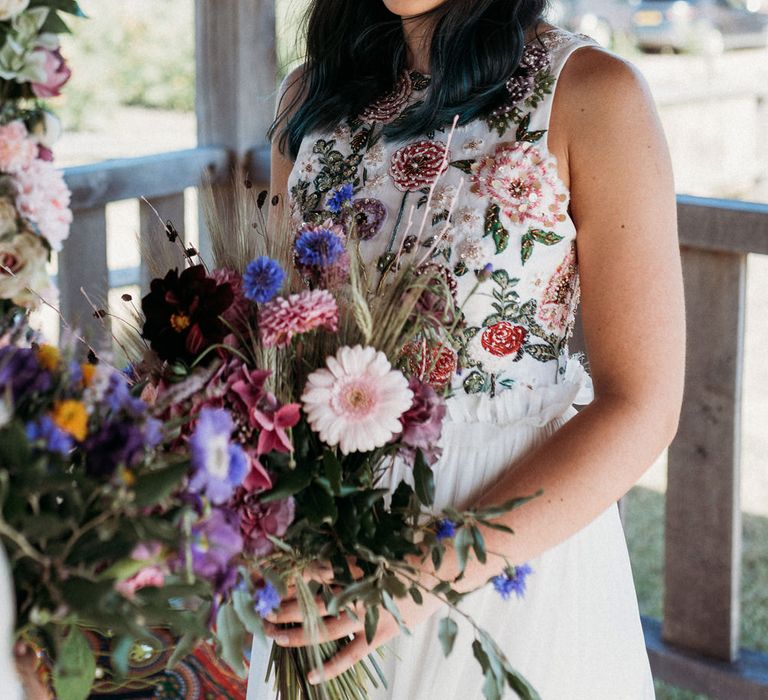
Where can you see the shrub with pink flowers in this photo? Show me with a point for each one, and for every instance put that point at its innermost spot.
(34, 200)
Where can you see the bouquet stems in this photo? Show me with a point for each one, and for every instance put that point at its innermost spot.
(292, 666)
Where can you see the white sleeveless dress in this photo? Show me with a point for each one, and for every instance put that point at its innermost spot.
(576, 635)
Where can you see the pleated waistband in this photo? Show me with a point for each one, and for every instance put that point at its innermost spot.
(534, 405)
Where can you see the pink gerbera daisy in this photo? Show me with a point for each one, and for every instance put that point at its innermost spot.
(356, 403)
(282, 318)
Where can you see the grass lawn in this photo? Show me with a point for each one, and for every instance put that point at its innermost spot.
(645, 537)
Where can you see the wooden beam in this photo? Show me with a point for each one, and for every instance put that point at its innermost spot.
(724, 225)
(703, 514)
(745, 679)
(83, 263)
(98, 184)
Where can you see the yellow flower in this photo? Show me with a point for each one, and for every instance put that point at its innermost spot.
(71, 417)
(88, 371)
(48, 356)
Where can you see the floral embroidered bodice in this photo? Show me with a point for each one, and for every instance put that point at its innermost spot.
(499, 204)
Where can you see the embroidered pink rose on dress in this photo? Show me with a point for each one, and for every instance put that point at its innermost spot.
(388, 106)
(418, 165)
(523, 182)
(558, 305)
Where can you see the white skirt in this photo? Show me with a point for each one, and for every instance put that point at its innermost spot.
(576, 635)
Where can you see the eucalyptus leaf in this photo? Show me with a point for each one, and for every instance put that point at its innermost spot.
(447, 631)
(153, 487)
(461, 544)
(231, 633)
(120, 657)
(371, 623)
(75, 668)
(424, 479)
(242, 601)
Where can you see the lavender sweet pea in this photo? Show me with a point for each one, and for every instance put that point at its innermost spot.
(219, 466)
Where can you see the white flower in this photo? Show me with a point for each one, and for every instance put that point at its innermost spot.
(475, 251)
(23, 259)
(47, 130)
(357, 401)
(8, 217)
(442, 197)
(467, 219)
(11, 8)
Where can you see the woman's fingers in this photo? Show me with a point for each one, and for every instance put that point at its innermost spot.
(353, 652)
(332, 628)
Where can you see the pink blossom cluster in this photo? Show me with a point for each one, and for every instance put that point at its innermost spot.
(42, 197)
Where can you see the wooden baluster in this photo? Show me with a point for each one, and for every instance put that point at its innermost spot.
(703, 515)
(158, 254)
(83, 264)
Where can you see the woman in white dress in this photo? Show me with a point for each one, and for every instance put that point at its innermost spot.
(562, 183)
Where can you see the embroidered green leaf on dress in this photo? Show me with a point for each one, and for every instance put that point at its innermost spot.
(540, 352)
(523, 134)
(536, 235)
(494, 228)
(464, 165)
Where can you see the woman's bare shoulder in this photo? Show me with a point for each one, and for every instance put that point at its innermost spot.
(598, 88)
(290, 89)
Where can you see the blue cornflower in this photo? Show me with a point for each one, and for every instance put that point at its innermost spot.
(339, 197)
(54, 438)
(445, 529)
(219, 466)
(262, 279)
(318, 247)
(267, 600)
(512, 580)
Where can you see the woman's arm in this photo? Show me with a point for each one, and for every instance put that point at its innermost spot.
(614, 158)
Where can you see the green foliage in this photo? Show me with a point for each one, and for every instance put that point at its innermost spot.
(139, 53)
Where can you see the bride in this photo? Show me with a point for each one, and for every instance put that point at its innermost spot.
(557, 178)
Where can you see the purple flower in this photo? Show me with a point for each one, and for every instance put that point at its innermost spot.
(445, 529)
(369, 215)
(118, 397)
(54, 438)
(339, 197)
(219, 465)
(21, 370)
(318, 247)
(215, 542)
(512, 580)
(118, 442)
(267, 600)
(422, 423)
(262, 279)
(259, 520)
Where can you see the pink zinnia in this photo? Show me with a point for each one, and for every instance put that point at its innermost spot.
(17, 150)
(281, 318)
(356, 403)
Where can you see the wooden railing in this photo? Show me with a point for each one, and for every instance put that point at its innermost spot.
(696, 646)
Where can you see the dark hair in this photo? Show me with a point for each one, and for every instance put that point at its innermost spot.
(356, 51)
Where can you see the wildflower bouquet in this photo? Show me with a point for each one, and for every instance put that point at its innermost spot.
(85, 518)
(331, 384)
(34, 200)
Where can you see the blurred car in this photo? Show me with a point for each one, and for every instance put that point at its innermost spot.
(604, 20)
(708, 26)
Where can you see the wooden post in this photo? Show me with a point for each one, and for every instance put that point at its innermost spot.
(703, 515)
(83, 263)
(236, 85)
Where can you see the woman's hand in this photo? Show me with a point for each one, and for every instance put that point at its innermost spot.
(343, 625)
